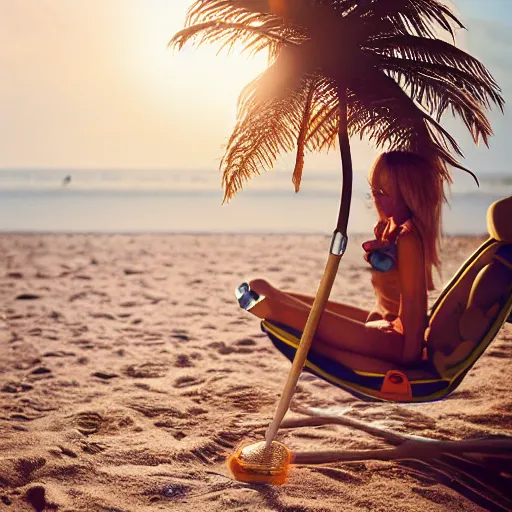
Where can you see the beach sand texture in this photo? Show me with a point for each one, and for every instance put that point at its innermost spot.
(128, 373)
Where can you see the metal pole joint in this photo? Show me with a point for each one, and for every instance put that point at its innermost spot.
(339, 243)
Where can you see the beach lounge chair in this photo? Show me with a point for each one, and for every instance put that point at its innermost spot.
(464, 320)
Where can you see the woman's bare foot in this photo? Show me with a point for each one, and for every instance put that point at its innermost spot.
(265, 290)
(262, 287)
(262, 309)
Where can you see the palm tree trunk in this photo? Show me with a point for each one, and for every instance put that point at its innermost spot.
(346, 164)
(338, 246)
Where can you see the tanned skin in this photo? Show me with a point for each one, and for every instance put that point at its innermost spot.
(345, 328)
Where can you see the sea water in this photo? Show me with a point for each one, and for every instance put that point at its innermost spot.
(190, 201)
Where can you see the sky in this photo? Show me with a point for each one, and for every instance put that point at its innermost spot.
(92, 84)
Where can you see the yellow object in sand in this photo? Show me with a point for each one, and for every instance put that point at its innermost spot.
(257, 463)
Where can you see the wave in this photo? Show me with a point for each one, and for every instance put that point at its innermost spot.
(203, 182)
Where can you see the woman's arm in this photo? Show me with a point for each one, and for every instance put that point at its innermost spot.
(413, 302)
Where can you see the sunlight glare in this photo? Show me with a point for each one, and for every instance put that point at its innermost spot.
(195, 79)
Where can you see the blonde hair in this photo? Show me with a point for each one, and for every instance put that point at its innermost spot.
(420, 183)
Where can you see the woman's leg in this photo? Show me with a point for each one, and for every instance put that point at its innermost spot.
(265, 288)
(334, 330)
(346, 310)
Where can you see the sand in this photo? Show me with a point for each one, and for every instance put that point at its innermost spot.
(128, 373)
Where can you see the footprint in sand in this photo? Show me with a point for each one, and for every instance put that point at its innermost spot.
(92, 448)
(180, 334)
(243, 346)
(246, 342)
(88, 422)
(63, 450)
(16, 387)
(340, 475)
(17, 472)
(492, 419)
(109, 422)
(105, 375)
(465, 394)
(28, 296)
(175, 491)
(245, 398)
(36, 496)
(59, 353)
(501, 353)
(220, 444)
(40, 370)
(147, 370)
(183, 361)
(187, 381)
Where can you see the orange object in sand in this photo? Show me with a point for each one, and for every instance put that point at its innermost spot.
(258, 464)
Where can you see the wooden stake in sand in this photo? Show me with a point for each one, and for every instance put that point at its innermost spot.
(315, 315)
(338, 247)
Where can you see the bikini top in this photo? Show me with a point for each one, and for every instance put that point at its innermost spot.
(381, 253)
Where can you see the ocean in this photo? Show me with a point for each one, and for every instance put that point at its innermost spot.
(189, 201)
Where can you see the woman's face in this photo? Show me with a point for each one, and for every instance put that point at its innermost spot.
(385, 196)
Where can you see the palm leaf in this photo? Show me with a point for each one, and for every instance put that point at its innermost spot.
(430, 51)
(383, 111)
(301, 139)
(437, 95)
(257, 139)
(267, 127)
(379, 109)
(421, 17)
(482, 91)
(253, 38)
(240, 11)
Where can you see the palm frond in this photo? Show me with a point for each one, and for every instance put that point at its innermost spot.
(266, 128)
(252, 38)
(236, 11)
(257, 139)
(383, 112)
(437, 94)
(420, 17)
(484, 92)
(430, 51)
(301, 139)
(386, 115)
(263, 30)
(325, 118)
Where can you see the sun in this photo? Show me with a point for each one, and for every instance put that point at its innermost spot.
(194, 79)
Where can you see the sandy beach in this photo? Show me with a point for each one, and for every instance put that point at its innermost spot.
(128, 373)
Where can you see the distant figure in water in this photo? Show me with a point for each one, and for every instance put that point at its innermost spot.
(407, 191)
(66, 180)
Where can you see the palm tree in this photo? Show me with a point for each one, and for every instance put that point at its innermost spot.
(340, 68)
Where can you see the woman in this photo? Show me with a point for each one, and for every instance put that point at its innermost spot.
(407, 191)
